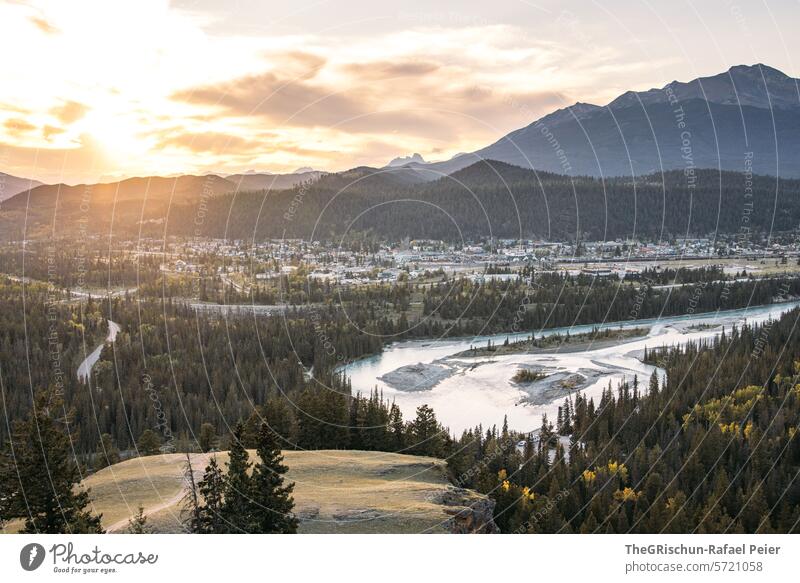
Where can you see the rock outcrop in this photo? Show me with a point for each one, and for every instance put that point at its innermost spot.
(470, 512)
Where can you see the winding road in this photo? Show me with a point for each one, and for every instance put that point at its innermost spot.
(85, 368)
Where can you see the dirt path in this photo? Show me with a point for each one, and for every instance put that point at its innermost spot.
(199, 462)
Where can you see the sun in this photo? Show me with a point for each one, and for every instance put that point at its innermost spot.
(116, 133)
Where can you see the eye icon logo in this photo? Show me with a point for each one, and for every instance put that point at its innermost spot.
(31, 556)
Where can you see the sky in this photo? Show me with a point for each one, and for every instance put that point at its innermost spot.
(99, 90)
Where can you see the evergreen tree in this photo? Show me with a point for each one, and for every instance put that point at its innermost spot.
(148, 443)
(107, 453)
(39, 476)
(237, 506)
(138, 523)
(207, 440)
(426, 433)
(271, 499)
(396, 428)
(211, 490)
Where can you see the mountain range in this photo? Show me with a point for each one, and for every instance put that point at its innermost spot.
(745, 119)
(674, 140)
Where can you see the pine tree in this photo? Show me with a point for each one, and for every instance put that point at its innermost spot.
(426, 433)
(397, 428)
(138, 523)
(211, 489)
(148, 443)
(236, 508)
(653, 390)
(40, 478)
(107, 453)
(207, 440)
(271, 499)
(754, 510)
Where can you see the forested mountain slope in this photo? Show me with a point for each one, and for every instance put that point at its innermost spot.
(501, 200)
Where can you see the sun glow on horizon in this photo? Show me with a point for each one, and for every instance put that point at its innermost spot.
(137, 88)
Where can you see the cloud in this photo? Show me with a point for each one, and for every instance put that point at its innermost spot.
(277, 98)
(49, 131)
(194, 95)
(57, 164)
(43, 25)
(17, 127)
(69, 112)
(208, 142)
(390, 69)
(403, 97)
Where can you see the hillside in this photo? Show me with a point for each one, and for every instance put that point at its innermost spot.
(122, 207)
(497, 199)
(335, 491)
(485, 199)
(60, 209)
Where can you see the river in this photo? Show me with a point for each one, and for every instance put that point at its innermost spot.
(466, 391)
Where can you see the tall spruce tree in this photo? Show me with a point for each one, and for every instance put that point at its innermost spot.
(211, 489)
(271, 498)
(397, 428)
(237, 506)
(207, 440)
(427, 434)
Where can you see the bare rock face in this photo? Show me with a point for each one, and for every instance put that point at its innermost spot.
(471, 513)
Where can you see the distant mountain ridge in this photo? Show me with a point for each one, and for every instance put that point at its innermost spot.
(755, 86)
(403, 160)
(747, 117)
(262, 181)
(13, 185)
(48, 209)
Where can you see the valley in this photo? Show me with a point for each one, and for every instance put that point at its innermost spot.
(586, 326)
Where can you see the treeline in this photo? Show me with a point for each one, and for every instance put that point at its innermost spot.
(681, 275)
(554, 299)
(712, 448)
(332, 418)
(71, 265)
